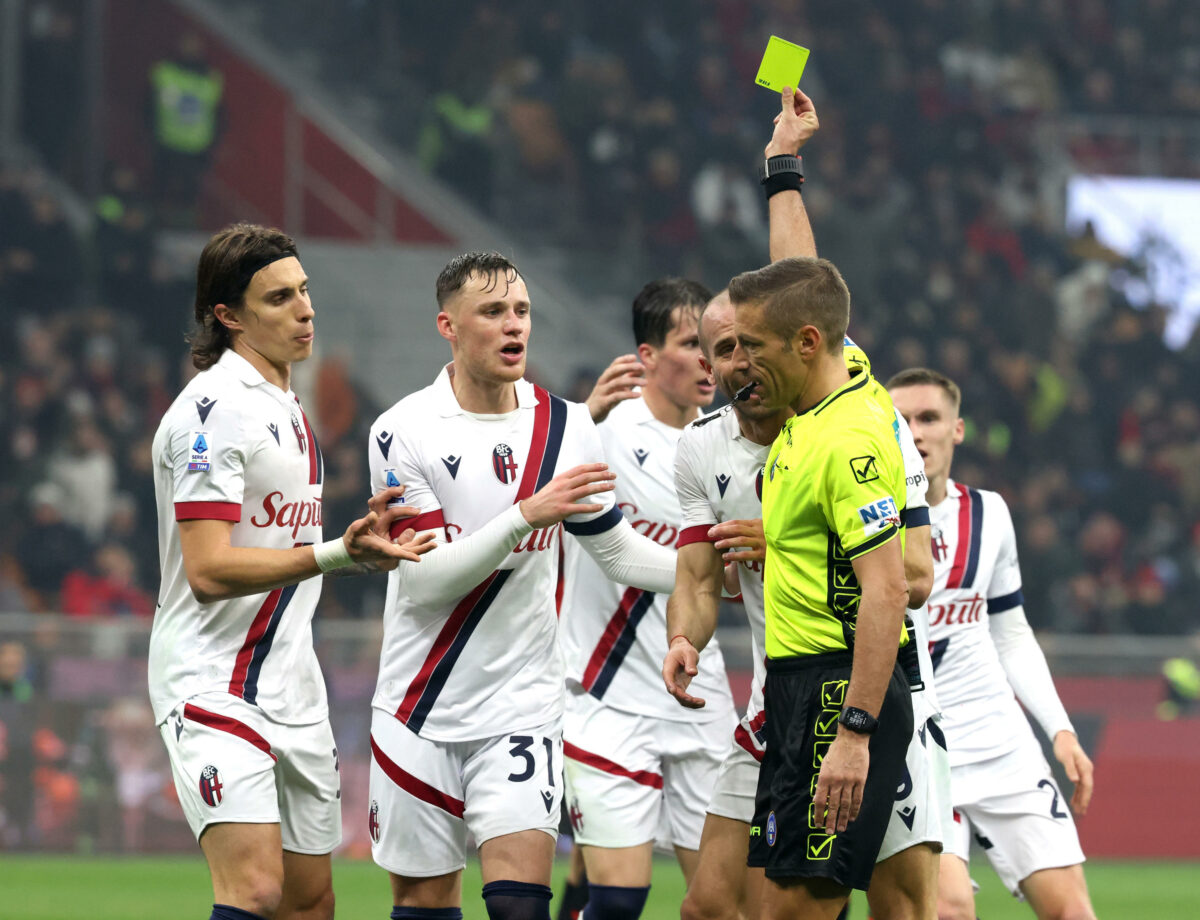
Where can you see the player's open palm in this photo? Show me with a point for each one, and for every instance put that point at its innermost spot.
(1078, 766)
(679, 667)
(367, 546)
(619, 381)
(564, 495)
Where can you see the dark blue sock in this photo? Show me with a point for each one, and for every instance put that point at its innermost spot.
(574, 899)
(225, 912)
(426, 913)
(517, 900)
(611, 902)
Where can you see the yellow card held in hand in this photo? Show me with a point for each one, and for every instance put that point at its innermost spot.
(782, 64)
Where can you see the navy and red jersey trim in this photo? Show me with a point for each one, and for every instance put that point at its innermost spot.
(423, 692)
(549, 426)
(616, 641)
(417, 788)
(247, 669)
(316, 461)
(970, 532)
(1007, 602)
(228, 724)
(644, 777)
(208, 511)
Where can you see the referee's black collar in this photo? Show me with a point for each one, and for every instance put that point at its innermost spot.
(856, 382)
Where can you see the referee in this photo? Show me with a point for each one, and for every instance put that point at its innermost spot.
(839, 711)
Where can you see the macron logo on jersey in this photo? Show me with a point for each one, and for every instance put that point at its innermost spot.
(274, 429)
(879, 515)
(204, 405)
(640, 455)
(384, 440)
(722, 483)
(451, 463)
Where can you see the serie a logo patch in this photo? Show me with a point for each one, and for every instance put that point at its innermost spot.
(199, 446)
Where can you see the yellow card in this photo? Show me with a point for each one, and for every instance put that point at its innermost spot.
(782, 64)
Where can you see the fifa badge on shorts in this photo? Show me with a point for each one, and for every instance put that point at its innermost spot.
(772, 830)
(198, 457)
(210, 786)
(504, 465)
(373, 821)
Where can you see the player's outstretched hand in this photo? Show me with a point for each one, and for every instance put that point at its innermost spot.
(740, 541)
(842, 779)
(1078, 767)
(368, 547)
(617, 383)
(388, 514)
(679, 667)
(558, 499)
(794, 125)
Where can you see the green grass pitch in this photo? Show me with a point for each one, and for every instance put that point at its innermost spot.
(149, 888)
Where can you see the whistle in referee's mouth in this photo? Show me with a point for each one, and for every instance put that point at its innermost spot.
(745, 392)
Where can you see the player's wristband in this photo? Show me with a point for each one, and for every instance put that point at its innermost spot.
(680, 636)
(781, 174)
(332, 554)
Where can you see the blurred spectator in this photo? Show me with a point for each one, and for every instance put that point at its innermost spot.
(109, 588)
(17, 723)
(185, 122)
(50, 546)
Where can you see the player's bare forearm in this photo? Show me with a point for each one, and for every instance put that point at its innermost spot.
(880, 621)
(791, 234)
(693, 607)
(217, 571)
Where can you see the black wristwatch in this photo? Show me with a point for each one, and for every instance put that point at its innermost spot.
(858, 721)
(774, 166)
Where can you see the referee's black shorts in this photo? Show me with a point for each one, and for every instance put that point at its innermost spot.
(804, 697)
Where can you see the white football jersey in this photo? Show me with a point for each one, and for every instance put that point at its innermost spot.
(615, 637)
(718, 474)
(975, 573)
(488, 661)
(234, 447)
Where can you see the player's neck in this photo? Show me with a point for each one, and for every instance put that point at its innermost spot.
(666, 411)
(278, 374)
(763, 431)
(937, 490)
(483, 397)
(825, 374)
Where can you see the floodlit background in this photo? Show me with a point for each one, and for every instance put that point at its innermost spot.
(1009, 186)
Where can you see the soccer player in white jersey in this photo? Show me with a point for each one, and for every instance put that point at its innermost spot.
(719, 478)
(635, 760)
(234, 681)
(466, 731)
(983, 650)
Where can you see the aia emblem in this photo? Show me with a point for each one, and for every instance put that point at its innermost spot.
(210, 786)
(503, 464)
(373, 821)
(758, 483)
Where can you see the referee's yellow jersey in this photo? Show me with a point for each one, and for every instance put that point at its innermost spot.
(834, 489)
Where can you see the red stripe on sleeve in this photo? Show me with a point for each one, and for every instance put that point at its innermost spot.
(417, 788)
(432, 520)
(954, 579)
(537, 446)
(208, 511)
(227, 724)
(645, 777)
(697, 533)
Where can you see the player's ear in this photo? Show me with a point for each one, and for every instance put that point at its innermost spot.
(227, 317)
(960, 430)
(648, 355)
(445, 327)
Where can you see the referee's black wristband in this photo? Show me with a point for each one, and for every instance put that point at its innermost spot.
(782, 182)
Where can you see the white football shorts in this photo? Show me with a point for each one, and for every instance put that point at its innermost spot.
(922, 812)
(736, 786)
(1017, 815)
(426, 796)
(233, 764)
(626, 773)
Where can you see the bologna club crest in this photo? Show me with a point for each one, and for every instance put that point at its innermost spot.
(503, 464)
(373, 821)
(210, 786)
(758, 483)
